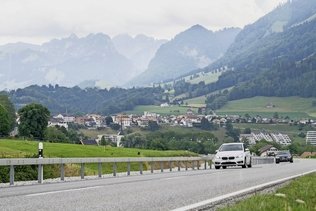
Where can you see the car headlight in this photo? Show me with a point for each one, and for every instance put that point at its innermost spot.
(218, 157)
(240, 156)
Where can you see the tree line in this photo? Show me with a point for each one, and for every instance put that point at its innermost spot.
(75, 100)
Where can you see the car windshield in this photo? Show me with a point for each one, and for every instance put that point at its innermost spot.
(231, 147)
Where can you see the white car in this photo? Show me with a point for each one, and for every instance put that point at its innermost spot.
(232, 154)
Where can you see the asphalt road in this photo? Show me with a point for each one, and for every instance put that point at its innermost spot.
(161, 191)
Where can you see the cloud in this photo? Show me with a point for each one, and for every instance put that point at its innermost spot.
(46, 19)
(54, 76)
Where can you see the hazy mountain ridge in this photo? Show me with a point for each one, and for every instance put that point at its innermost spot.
(194, 48)
(139, 49)
(70, 61)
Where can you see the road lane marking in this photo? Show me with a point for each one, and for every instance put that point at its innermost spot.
(172, 178)
(62, 191)
(214, 201)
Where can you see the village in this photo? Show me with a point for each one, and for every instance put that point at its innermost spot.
(187, 120)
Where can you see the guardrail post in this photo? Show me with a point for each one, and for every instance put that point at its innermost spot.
(152, 167)
(141, 167)
(100, 169)
(114, 169)
(193, 165)
(178, 165)
(82, 171)
(12, 175)
(128, 168)
(62, 172)
(40, 173)
(161, 166)
(210, 162)
(198, 165)
(170, 165)
(186, 165)
(205, 164)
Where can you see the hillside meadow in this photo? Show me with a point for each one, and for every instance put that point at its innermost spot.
(293, 107)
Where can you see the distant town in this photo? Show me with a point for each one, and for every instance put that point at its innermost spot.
(188, 120)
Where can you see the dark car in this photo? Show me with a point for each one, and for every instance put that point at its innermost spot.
(283, 156)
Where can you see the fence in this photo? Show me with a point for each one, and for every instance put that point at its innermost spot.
(194, 162)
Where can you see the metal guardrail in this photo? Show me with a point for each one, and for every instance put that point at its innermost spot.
(195, 162)
(262, 160)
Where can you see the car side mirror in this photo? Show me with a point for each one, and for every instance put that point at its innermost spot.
(216, 151)
(246, 150)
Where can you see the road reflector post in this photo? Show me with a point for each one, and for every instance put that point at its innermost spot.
(114, 169)
(62, 172)
(100, 169)
(40, 150)
(11, 175)
(128, 168)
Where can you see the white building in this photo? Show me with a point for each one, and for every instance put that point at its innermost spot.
(311, 138)
(112, 137)
(280, 138)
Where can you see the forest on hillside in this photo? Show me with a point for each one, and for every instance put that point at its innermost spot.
(75, 100)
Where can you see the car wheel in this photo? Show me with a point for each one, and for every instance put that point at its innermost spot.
(224, 167)
(217, 167)
(245, 164)
(250, 165)
(291, 161)
(277, 162)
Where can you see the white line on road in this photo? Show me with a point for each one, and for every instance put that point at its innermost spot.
(62, 191)
(240, 192)
(172, 178)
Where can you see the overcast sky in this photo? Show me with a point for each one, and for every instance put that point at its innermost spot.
(36, 21)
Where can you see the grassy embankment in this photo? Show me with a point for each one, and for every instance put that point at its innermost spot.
(300, 194)
(19, 148)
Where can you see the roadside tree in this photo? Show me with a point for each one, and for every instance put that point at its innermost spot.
(33, 121)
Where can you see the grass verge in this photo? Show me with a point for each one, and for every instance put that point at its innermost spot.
(300, 194)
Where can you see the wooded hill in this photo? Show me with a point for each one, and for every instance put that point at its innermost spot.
(74, 100)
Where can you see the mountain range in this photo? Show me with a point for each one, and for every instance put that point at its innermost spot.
(275, 56)
(196, 47)
(94, 59)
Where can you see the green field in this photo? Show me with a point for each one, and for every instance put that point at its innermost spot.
(171, 110)
(300, 194)
(196, 102)
(20, 148)
(206, 77)
(294, 107)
